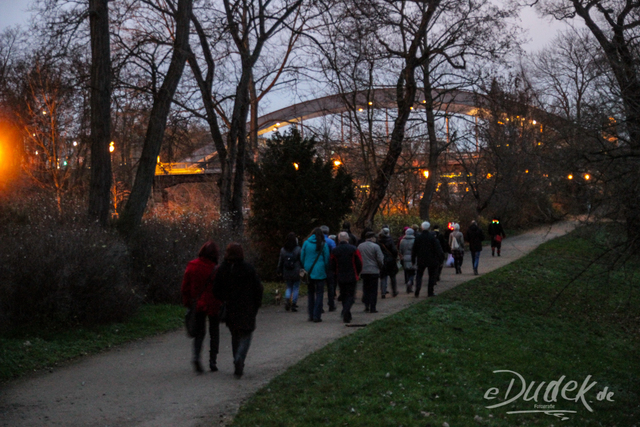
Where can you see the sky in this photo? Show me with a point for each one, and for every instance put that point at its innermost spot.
(541, 31)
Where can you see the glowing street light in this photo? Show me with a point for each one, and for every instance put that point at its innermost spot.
(337, 163)
(112, 147)
(297, 166)
(425, 173)
(75, 143)
(570, 176)
(587, 177)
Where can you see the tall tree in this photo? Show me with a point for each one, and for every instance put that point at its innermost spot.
(135, 207)
(100, 185)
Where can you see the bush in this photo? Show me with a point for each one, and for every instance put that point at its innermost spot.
(56, 274)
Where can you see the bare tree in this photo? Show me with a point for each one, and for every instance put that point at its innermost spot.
(100, 185)
(135, 207)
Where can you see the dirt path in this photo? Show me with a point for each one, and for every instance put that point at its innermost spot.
(150, 382)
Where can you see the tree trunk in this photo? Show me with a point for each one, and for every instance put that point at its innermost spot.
(137, 203)
(434, 150)
(100, 184)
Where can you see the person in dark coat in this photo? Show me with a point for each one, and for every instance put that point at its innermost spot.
(426, 254)
(390, 268)
(237, 284)
(443, 244)
(496, 232)
(289, 268)
(197, 285)
(475, 236)
(346, 265)
(346, 227)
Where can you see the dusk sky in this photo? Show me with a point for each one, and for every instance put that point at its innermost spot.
(541, 31)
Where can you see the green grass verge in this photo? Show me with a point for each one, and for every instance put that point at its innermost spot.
(434, 362)
(28, 350)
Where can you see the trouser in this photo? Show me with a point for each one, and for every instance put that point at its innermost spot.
(214, 335)
(315, 295)
(383, 284)
(370, 291)
(331, 293)
(475, 258)
(240, 342)
(293, 288)
(495, 245)
(409, 275)
(347, 295)
(458, 257)
(432, 271)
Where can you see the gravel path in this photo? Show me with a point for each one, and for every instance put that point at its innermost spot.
(151, 383)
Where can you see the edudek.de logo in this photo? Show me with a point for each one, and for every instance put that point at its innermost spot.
(547, 398)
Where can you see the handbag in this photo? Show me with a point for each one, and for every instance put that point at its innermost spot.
(304, 274)
(190, 317)
(454, 244)
(497, 238)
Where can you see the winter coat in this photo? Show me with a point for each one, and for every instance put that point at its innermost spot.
(294, 273)
(346, 263)
(372, 258)
(390, 253)
(443, 242)
(308, 256)
(427, 251)
(459, 237)
(238, 285)
(197, 278)
(496, 230)
(475, 236)
(406, 245)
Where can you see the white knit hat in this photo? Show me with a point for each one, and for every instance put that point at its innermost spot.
(425, 225)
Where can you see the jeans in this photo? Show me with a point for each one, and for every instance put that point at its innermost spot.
(214, 334)
(370, 291)
(315, 295)
(293, 288)
(331, 293)
(409, 275)
(240, 342)
(347, 295)
(383, 284)
(475, 258)
(433, 272)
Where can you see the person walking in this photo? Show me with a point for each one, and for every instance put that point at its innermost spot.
(496, 232)
(289, 268)
(237, 284)
(372, 262)
(331, 281)
(197, 287)
(475, 238)
(427, 254)
(315, 260)
(346, 265)
(390, 268)
(444, 245)
(456, 244)
(406, 246)
(346, 227)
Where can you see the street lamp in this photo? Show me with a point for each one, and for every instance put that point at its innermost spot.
(112, 147)
(425, 173)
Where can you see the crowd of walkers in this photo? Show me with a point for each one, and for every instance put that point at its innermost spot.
(231, 292)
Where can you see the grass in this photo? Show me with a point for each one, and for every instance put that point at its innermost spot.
(434, 362)
(31, 349)
(28, 350)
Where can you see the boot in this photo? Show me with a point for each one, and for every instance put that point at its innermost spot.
(287, 305)
(294, 308)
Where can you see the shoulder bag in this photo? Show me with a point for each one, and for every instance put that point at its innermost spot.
(304, 274)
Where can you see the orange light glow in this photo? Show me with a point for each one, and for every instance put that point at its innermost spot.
(570, 177)
(297, 166)
(10, 143)
(425, 173)
(337, 163)
(112, 148)
(587, 176)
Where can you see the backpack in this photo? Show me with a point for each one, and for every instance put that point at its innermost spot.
(289, 261)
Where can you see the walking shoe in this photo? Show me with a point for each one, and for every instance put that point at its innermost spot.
(475, 271)
(317, 320)
(395, 294)
(347, 318)
(294, 308)
(332, 309)
(213, 366)
(239, 370)
(383, 296)
(366, 309)
(197, 366)
(287, 305)
(373, 311)
(417, 295)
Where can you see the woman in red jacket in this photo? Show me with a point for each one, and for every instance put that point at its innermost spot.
(197, 285)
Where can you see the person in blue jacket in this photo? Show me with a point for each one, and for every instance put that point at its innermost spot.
(315, 250)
